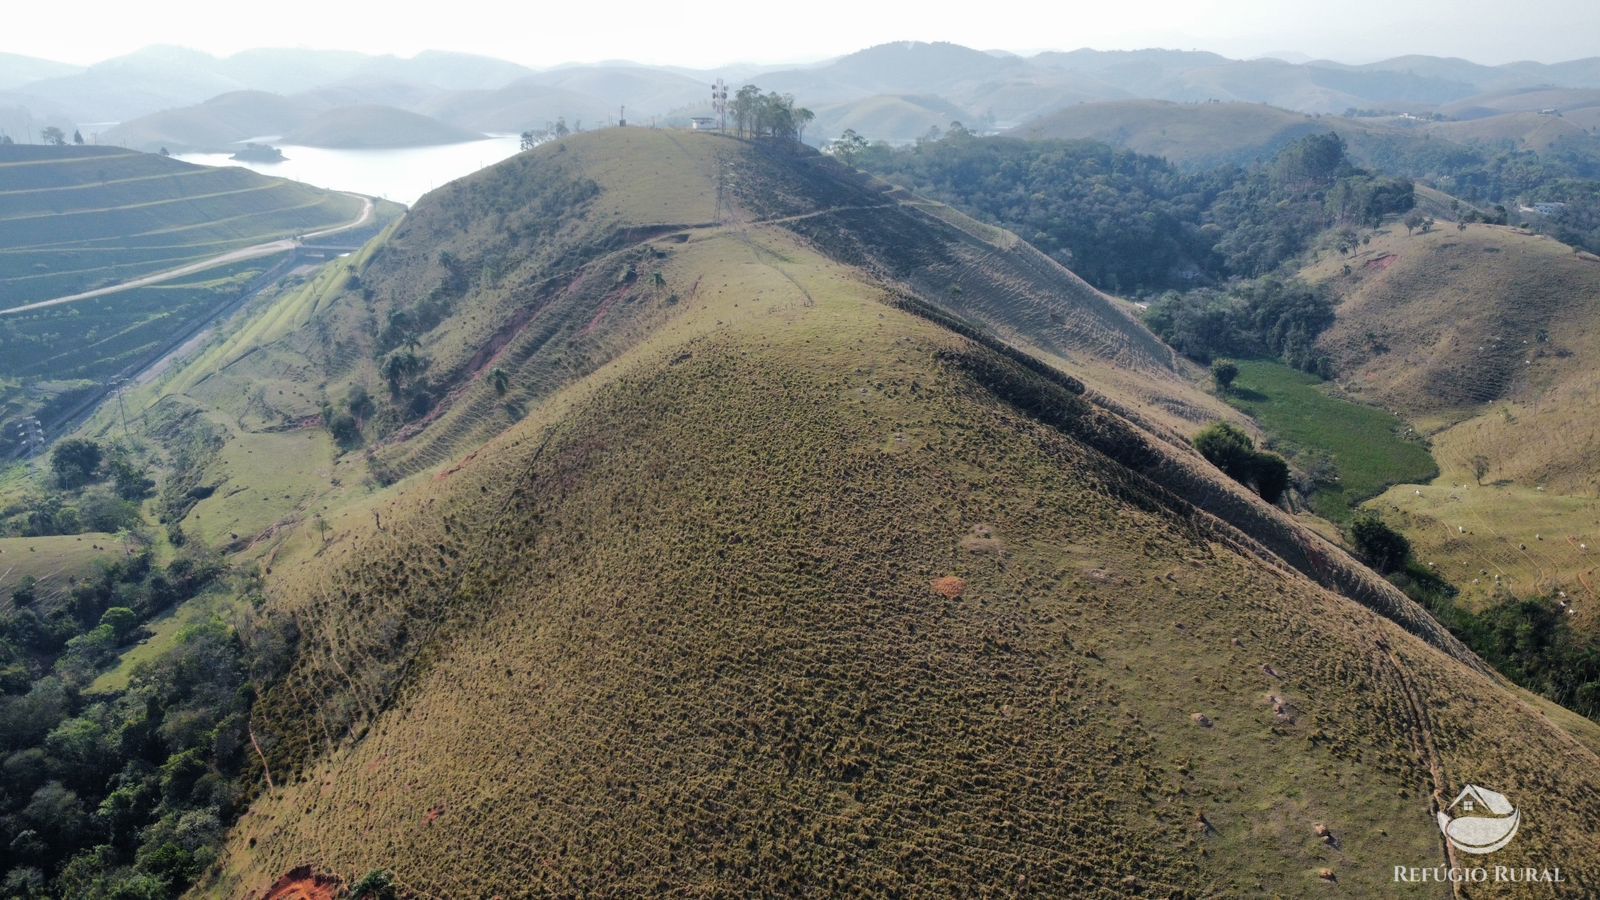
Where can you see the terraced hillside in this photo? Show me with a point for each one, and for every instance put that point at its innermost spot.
(73, 219)
(80, 219)
(770, 562)
(1485, 339)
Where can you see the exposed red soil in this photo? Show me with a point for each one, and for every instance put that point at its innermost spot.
(1378, 264)
(304, 883)
(434, 814)
(457, 467)
(949, 586)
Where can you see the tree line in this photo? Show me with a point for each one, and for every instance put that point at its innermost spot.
(770, 115)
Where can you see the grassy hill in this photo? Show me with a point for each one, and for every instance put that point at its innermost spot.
(373, 127)
(1523, 100)
(214, 124)
(769, 530)
(1521, 130)
(1485, 339)
(887, 118)
(1196, 135)
(54, 563)
(517, 107)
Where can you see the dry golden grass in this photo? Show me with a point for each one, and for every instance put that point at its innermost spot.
(675, 627)
(679, 637)
(1488, 340)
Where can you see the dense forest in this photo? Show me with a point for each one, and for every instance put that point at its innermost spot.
(1207, 246)
(1136, 224)
(123, 792)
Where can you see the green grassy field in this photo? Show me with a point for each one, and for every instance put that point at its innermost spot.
(54, 561)
(1300, 415)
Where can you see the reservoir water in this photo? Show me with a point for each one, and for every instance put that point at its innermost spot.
(401, 175)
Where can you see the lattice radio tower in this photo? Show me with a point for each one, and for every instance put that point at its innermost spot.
(719, 103)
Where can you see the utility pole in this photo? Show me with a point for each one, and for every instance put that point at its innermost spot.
(117, 385)
(622, 117)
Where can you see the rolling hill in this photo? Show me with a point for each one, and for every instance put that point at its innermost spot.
(1485, 340)
(889, 118)
(215, 124)
(764, 529)
(1194, 135)
(1521, 130)
(1522, 100)
(374, 127)
(998, 88)
(18, 70)
(517, 107)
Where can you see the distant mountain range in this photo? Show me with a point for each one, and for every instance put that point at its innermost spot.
(892, 91)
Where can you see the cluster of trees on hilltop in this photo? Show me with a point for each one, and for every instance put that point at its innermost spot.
(768, 115)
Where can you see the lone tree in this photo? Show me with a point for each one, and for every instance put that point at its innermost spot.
(1480, 468)
(1223, 372)
(76, 462)
(1413, 221)
(1380, 546)
(54, 136)
(77, 137)
(1232, 451)
(1228, 448)
(500, 381)
(849, 146)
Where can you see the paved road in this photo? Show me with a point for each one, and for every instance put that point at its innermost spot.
(254, 251)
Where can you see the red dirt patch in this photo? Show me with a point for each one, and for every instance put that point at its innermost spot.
(1378, 264)
(304, 883)
(949, 586)
(457, 467)
(433, 814)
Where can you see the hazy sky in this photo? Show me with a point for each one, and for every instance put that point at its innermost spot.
(704, 34)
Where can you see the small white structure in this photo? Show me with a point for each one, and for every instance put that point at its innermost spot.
(702, 123)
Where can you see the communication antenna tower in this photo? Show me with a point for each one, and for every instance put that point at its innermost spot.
(719, 103)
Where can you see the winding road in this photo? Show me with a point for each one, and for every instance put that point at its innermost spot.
(254, 251)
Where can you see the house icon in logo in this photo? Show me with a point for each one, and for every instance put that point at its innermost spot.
(1483, 822)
